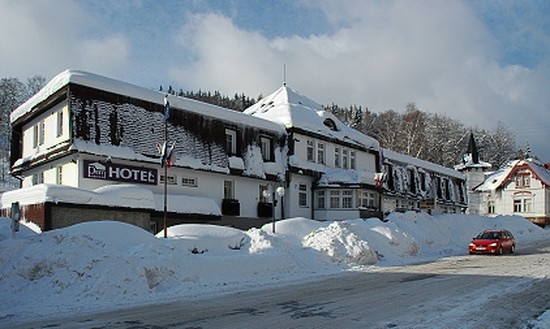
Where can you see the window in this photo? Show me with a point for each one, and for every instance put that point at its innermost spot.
(265, 145)
(321, 153)
(517, 205)
(347, 199)
(422, 180)
(523, 180)
(523, 205)
(334, 199)
(172, 180)
(527, 205)
(337, 157)
(345, 159)
(189, 181)
(302, 195)
(366, 199)
(439, 191)
(59, 123)
(59, 178)
(447, 187)
(321, 198)
(231, 141)
(330, 124)
(310, 151)
(491, 207)
(35, 136)
(228, 189)
(41, 132)
(341, 199)
(460, 187)
(352, 159)
(38, 178)
(412, 181)
(390, 182)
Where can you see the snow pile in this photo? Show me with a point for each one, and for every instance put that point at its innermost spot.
(340, 243)
(103, 265)
(201, 238)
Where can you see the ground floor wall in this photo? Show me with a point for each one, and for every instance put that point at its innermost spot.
(66, 215)
(50, 216)
(299, 198)
(533, 205)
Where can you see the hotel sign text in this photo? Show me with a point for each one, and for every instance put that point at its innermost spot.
(118, 172)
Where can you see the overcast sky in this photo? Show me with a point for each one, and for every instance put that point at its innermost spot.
(479, 62)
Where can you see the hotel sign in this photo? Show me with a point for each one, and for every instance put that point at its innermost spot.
(121, 173)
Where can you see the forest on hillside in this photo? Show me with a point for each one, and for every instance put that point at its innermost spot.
(13, 92)
(428, 136)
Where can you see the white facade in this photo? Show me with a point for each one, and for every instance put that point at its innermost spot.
(332, 166)
(85, 131)
(521, 188)
(342, 182)
(284, 157)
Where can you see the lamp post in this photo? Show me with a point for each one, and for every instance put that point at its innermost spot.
(378, 184)
(271, 195)
(280, 191)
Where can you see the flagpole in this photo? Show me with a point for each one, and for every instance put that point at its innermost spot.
(165, 165)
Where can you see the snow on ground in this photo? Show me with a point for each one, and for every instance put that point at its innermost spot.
(103, 265)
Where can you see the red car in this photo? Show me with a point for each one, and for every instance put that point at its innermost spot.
(493, 242)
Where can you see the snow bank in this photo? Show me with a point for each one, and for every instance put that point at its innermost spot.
(103, 265)
(201, 238)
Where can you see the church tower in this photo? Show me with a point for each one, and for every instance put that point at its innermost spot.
(474, 170)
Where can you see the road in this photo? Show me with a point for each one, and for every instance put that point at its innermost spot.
(456, 292)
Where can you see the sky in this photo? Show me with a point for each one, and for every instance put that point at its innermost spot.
(483, 63)
(107, 265)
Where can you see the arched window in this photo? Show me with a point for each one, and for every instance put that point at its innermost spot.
(330, 124)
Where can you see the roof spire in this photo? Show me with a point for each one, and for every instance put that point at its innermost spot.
(472, 149)
(284, 74)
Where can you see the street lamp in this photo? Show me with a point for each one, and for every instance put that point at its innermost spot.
(379, 179)
(271, 195)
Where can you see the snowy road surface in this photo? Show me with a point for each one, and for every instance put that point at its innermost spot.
(457, 292)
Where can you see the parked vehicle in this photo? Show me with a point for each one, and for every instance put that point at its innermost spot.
(493, 242)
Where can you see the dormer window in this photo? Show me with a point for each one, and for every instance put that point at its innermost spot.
(330, 124)
(266, 147)
(231, 141)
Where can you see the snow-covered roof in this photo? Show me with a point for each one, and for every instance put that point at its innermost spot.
(119, 195)
(499, 177)
(122, 88)
(469, 163)
(293, 110)
(430, 166)
(337, 176)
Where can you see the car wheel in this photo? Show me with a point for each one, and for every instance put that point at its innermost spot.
(500, 251)
(512, 249)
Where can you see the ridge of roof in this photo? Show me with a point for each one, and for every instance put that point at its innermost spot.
(294, 110)
(498, 178)
(100, 82)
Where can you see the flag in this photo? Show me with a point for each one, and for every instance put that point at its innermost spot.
(162, 151)
(166, 108)
(169, 156)
(166, 154)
